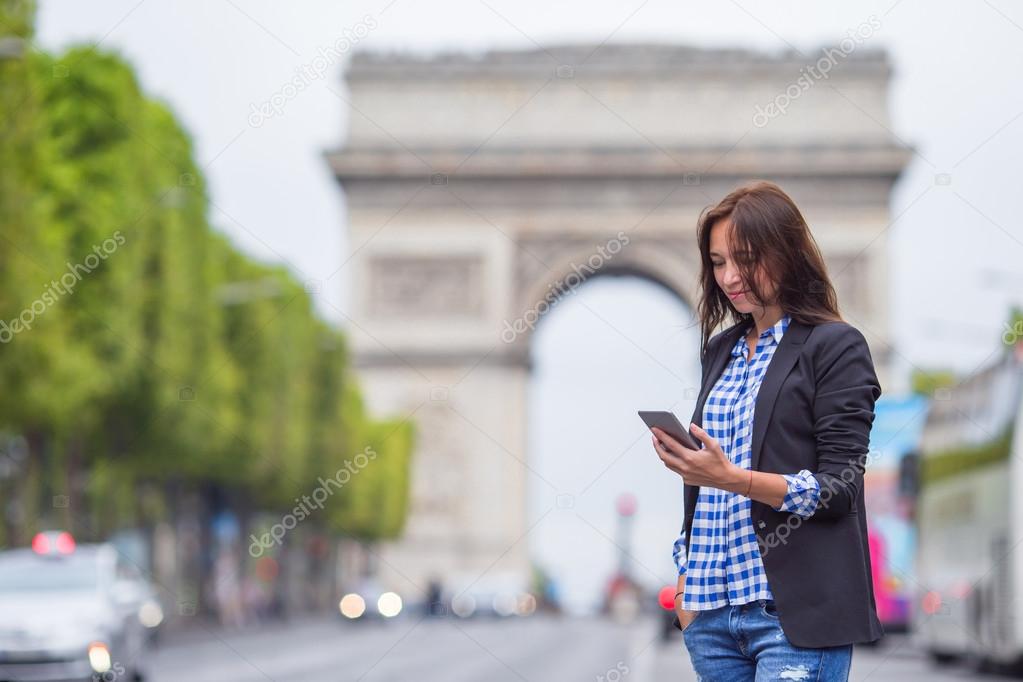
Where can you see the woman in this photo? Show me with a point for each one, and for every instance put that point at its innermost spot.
(774, 570)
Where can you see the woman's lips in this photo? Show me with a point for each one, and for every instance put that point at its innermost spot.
(735, 296)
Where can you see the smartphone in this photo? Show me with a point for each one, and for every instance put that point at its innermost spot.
(669, 423)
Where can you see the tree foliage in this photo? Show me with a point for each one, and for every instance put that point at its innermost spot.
(141, 351)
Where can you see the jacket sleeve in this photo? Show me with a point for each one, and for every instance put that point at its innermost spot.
(843, 412)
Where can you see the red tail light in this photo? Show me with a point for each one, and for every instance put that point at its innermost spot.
(41, 544)
(65, 543)
(52, 542)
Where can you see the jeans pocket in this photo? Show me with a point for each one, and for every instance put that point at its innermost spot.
(770, 610)
(695, 618)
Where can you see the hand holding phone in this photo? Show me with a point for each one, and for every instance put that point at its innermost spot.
(669, 423)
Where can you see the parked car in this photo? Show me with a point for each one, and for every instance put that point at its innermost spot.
(73, 612)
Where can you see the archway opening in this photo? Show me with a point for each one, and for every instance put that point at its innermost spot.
(611, 347)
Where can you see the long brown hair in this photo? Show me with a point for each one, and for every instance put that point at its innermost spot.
(768, 225)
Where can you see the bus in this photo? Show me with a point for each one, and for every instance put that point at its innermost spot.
(969, 571)
(890, 501)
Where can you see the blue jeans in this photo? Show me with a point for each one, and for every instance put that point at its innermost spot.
(746, 642)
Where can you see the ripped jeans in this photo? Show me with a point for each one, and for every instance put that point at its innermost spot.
(745, 642)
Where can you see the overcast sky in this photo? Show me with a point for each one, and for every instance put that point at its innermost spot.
(956, 251)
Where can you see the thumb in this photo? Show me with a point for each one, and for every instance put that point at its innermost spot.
(698, 432)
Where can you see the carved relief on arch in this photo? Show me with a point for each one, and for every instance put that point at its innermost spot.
(425, 285)
(549, 267)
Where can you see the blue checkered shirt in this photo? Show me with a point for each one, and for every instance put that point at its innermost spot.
(723, 565)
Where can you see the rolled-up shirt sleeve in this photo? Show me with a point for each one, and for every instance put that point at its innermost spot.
(679, 553)
(804, 491)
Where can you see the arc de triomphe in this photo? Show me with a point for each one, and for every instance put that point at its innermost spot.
(477, 185)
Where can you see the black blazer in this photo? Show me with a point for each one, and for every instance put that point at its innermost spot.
(814, 411)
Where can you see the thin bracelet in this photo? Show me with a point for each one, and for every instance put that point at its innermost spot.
(678, 593)
(750, 483)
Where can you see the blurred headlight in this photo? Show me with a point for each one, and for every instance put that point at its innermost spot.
(504, 604)
(526, 604)
(389, 604)
(352, 605)
(99, 657)
(150, 614)
(463, 606)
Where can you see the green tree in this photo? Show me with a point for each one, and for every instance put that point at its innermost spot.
(143, 356)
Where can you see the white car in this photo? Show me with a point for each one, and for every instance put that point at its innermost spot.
(73, 612)
(500, 595)
(370, 601)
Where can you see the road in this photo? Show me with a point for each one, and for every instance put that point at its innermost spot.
(536, 649)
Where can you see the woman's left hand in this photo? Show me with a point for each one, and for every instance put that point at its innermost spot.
(708, 466)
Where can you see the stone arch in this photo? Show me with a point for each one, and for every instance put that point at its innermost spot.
(473, 182)
(571, 265)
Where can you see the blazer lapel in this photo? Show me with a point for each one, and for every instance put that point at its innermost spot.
(782, 362)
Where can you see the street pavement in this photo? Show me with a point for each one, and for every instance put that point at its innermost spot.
(538, 648)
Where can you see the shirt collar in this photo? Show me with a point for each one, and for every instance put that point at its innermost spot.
(776, 332)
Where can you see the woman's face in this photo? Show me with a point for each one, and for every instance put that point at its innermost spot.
(727, 274)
